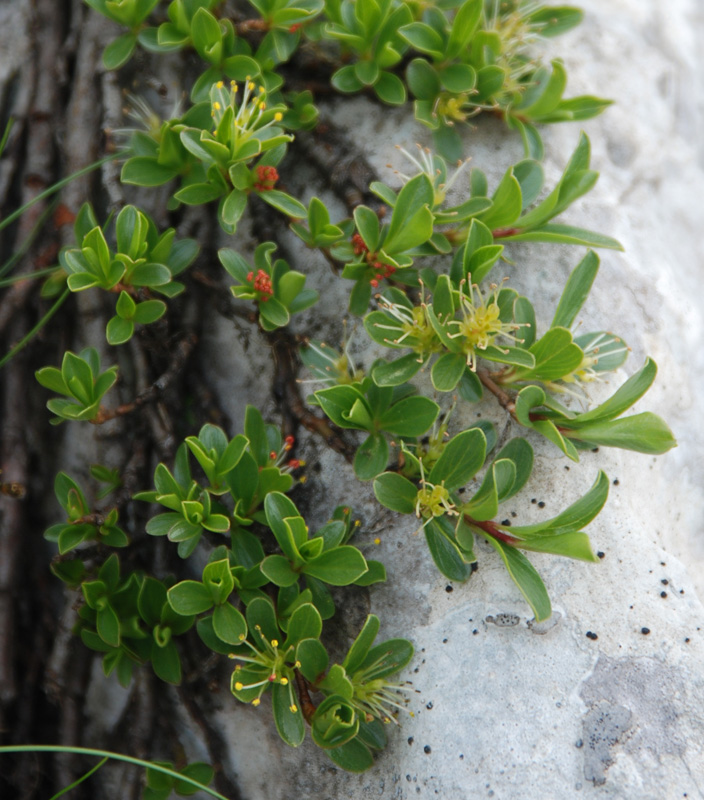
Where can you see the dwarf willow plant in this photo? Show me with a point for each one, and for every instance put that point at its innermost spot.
(262, 591)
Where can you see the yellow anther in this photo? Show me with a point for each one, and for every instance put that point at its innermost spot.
(284, 681)
(250, 85)
(219, 84)
(377, 540)
(256, 701)
(262, 105)
(241, 637)
(278, 116)
(293, 708)
(239, 686)
(274, 642)
(216, 106)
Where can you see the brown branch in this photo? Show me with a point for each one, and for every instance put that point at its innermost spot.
(182, 351)
(505, 400)
(491, 528)
(307, 705)
(288, 396)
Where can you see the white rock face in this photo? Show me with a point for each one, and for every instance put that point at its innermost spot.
(606, 698)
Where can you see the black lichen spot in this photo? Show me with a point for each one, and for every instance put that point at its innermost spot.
(429, 705)
(600, 553)
(475, 632)
(616, 481)
(579, 743)
(663, 594)
(444, 641)
(448, 588)
(664, 581)
(426, 749)
(534, 500)
(541, 504)
(410, 740)
(645, 631)
(506, 522)
(686, 641)
(591, 635)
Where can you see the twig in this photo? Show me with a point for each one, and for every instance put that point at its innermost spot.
(182, 351)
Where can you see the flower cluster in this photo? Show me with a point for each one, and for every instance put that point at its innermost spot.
(380, 270)
(261, 283)
(266, 179)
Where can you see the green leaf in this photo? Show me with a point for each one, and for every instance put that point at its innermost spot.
(345, 80)
(368, 226)
(229, 624)
(396, 492)
(411, 222)
(119, 331)
(371, 457)
(464, 26)
(289, 724)
(354, 756)
(273, 314)
(571, 545)
(338, 567)
(397, 372)
(575, 516)
(167, 663)
(146, 171)
(556, 355)
(525, 577)
(108, 626)
(390, 89)
(461, 458)
(305, 623)
(576, 291)
(411, 416)
(564, 234)
(644, 433)
(149, 311)
(197, 194)
(119, 51)
(447, 371)
(507, 203)
(520, 452)
(361, 645)
(446, 553)
(189, 597)
(423, 38)
(337, 402)
(313, 658)
(631, 391)
(284, 203)
(422, 79)
(278, 570)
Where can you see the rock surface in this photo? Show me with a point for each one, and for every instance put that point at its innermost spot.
(606, 698)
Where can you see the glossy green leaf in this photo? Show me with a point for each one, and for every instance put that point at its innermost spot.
(396, 492)
(229, 624)
(338, 567)
(644, 433)
(576, 291)
(446, 553)
(371, 457)
(461, 458)
(289, 723)
(411, 416)
(525, 577)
